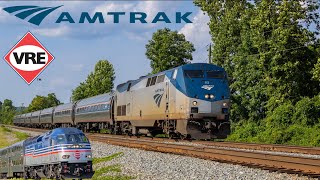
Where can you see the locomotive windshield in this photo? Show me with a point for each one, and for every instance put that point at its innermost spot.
(200, 74)
(193, 73)
(215, 74)
(70, 139)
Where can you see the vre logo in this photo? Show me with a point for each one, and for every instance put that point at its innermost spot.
(25, 11)
(28, 57)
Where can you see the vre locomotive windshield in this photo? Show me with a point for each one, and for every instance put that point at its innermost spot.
(71, 139)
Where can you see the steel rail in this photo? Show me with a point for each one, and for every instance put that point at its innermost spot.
(250, 146)
(213, 151)
(285, 163)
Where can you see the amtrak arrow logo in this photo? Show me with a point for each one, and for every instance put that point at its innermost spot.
(157, 98)
(25, 11)
(207, 87)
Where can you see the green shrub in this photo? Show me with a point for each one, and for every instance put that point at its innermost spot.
(297, 124)
(281, 116)
(307, 111)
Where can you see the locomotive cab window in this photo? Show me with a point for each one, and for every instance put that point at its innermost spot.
(153, 81)
(129, 86)
(193, 74)
(160, 78)
(148, 82)
(215, 74)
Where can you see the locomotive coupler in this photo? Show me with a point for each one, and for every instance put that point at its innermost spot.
(77, 171)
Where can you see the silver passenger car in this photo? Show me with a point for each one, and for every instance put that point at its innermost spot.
(63, 115)
(94, 113)
(46, 117)
(12, 161)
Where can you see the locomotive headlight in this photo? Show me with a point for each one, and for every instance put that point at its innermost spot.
(206, 96)
(195, 103)
(224, 104)
(211, 96)
(65, 156)
(89, 156)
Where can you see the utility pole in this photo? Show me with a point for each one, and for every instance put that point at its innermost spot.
(209, 53)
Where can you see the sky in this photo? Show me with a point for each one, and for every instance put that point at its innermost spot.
(77, 47)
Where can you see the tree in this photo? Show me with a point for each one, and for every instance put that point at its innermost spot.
(79, 92)
(168, 49)
(316, 71)
(7, 105)
(7, 112)
(98, 82)
(268, 54)
(43, 102)
(53, 100)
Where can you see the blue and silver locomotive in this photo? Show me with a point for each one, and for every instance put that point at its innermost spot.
(59, 153)
(192, 100)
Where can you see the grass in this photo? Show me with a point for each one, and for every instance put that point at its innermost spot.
(108, 158)
(161, 136)
(4, 132)
(105, 131)
(100, 174)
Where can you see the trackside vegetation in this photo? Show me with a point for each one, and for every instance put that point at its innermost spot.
(9, 137)
(271, 52)
(111, 172)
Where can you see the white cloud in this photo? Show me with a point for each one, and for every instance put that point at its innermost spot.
(198, 33)
(112, 7)
(77, 67)
(53, 32)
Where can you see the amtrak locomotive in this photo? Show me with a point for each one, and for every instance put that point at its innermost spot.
(60, 153)
(192, 101)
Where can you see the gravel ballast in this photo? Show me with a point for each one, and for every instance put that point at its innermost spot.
(155, 166)
(158, 166)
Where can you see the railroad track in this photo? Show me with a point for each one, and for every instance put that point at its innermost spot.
(214, 151)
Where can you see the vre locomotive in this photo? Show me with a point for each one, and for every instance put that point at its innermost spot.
(192, 100)
(60, 153)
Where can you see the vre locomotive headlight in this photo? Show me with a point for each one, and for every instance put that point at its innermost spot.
(195, 103)
(206, 96)
(224, 104)
(89, 156)
(211, 96)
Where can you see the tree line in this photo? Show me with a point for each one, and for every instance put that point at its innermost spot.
(271, 52)
(8, 110)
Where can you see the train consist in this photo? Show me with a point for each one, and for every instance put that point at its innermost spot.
(191, 101)
(60, 153)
